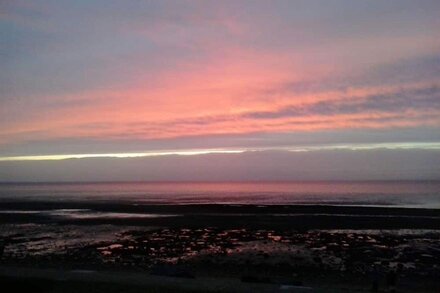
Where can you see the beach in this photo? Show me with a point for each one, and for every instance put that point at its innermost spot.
(306, 247)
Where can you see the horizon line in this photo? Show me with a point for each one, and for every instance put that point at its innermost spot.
(194, 152)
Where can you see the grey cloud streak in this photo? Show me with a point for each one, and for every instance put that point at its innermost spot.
(426, 99)
(419, 99)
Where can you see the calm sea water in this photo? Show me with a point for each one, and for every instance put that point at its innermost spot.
(406, 194)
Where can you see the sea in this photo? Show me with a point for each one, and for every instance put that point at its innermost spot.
(413, 194)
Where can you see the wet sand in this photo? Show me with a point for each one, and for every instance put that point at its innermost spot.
(301, 217)
(327, 248)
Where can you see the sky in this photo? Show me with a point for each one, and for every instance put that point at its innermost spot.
(321, 84)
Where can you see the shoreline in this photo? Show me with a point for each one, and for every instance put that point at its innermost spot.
(300, 217)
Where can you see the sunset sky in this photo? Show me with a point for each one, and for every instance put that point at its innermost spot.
(228, 79)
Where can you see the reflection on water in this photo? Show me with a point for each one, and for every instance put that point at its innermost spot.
(35, 239)
(404, 193)
(86, 214)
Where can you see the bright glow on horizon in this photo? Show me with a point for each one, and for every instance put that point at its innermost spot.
(352, 147)
(372, 146)
(119, 155)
